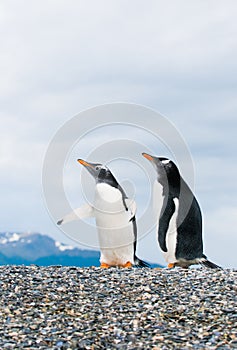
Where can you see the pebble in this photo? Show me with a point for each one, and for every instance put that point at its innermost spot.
(59, 307)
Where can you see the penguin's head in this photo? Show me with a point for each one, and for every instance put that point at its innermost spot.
(100, 172)
(167, 171)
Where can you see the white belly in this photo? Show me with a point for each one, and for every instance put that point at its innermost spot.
(171, 236)
(115, 231)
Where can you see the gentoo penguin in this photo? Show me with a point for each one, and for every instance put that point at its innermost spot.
(115, 219)
(180, 219)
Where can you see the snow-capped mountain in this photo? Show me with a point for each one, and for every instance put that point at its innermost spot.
(35, 248)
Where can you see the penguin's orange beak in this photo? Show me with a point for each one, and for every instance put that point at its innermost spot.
(83, 162)
(147, 156)
(90, 167)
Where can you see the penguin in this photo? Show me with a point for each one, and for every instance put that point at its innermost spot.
(115, 219)
(180, 219)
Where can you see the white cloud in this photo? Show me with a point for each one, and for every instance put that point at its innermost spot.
(59, 45)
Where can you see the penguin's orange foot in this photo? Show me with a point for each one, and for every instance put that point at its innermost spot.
(128, 264)
(170, 266)
(104, 266)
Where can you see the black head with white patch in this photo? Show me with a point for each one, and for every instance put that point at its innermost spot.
(100, 172)
(167, 172)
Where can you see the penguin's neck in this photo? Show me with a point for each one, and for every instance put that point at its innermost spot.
(178, 190)
(170, 188)
(108, 179)
(107, 193)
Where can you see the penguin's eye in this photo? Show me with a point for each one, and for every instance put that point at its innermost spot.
(97, 168)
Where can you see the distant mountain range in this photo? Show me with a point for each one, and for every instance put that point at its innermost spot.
(35, 248)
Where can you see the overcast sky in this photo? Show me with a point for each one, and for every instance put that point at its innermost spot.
(58, 58)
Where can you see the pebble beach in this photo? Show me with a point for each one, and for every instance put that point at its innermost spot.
(91, 308)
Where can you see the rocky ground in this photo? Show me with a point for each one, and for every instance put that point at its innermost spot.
(91, 308)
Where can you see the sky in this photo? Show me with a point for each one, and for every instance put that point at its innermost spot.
(179, 58)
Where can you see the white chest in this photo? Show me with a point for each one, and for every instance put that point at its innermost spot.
(108, 199)
(171, 236)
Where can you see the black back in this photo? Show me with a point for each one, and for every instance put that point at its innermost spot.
(189, 221)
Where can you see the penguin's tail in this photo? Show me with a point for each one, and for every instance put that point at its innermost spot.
(209, 264)
(140, 263)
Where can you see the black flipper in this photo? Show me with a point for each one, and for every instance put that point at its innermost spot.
(167, 211)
